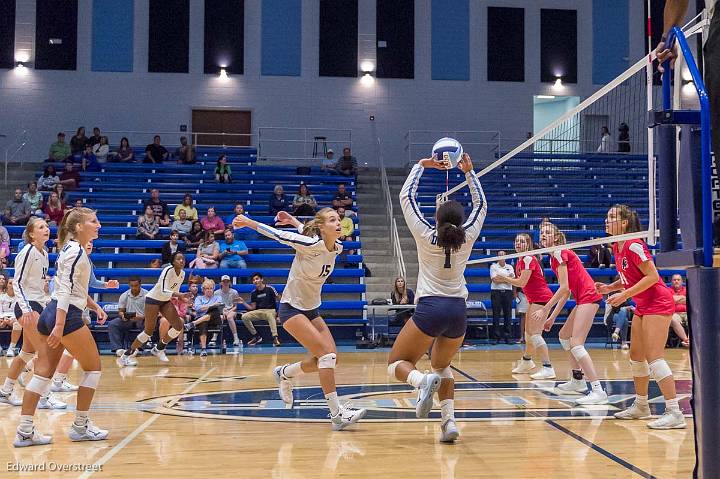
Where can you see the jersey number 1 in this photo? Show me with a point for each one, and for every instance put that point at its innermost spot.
(325, 271)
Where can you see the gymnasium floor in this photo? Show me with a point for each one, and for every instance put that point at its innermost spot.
(221, 416)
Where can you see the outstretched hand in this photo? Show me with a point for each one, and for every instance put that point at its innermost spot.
(465, 163)
(284, 218)
(240, 221)
(434, 163)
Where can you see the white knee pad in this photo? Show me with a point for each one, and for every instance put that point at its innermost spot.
(660, 369)
(565, 343)
(143, 337)
(392, 367)
(16, 326)
(38, 385)
(327, 361)
(67, 353)
(579, 352)
(537, 340)
(445, 373)
(173, 333)
(527, 337)
(90, 379)
(25, 356)
(640, 369)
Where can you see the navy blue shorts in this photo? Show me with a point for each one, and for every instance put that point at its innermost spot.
(286, 312)
(155, 301)
(441, 316)
(73, 320)
(34, 305)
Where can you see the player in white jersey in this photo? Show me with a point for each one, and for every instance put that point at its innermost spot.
(157, 301)
(440, 316)
(316, 251)
(61, 326)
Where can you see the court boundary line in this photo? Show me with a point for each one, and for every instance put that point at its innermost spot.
(459, 371)
(142, 427)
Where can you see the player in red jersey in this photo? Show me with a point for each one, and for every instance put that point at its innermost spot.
(640, 281)
(529, 276)
(573, 279)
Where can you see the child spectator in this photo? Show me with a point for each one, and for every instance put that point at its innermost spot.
(148, 227)
(169, 248)
(88, 160)
(195, 237)
(48, 179)
(223, 172)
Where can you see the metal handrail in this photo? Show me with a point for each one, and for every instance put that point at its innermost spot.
(22, 140)
(192, 134)
(338, 136)
(394, 235)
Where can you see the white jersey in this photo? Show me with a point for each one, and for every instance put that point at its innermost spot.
(168, 283)
(7, 306)
(31, 268)
(72, 277)
(312, 264)
(434, 278)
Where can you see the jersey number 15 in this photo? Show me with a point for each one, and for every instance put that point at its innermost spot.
(325, 271)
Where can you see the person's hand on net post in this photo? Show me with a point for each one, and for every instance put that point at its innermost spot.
(434, 163)
(664, 54)
(465, 163)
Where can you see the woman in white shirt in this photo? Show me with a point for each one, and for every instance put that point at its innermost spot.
(101, 150)
(604, 141)
(7, 314)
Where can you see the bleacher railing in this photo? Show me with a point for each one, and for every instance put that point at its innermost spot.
(14, 149)
(394, 236)
(304, 145)
(141, 138)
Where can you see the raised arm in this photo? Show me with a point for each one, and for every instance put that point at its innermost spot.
(294, 240)
(408, 202)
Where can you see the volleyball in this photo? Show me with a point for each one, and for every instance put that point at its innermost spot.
(448, 149)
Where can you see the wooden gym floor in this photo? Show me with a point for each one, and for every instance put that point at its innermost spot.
(222, 416)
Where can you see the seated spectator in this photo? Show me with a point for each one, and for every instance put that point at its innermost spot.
(17, 210)
(600, 256)
(96, 138)
(125, 154)
(347, 164)
(304, 203)
(194, 237)
(4, 246)
(208, 253)
(232, 252)
(223, 172)
(230, 298)
(60, 190)
(209, 308)
(401, 294)
(679, 319)
(159, 207)
(182, 225)
(618, 318)
(48, 179)
(131, 315)
(88, 160)
(35, 198)
(185, 153)
(342, 198)
(187, 205)
(70, 177)
(348, 229)
(262, 307)
(169, 248)
(59, 151)
(148, 227)
(78, 203)
(155, 152)
(102, 149)
(278, 201)
(54, 209)
(328, 163)
(78, 141)
(212, 222)
(155, 263)
(7, 313)
(238, 210)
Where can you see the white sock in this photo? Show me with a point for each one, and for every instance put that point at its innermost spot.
(11, 346)
(672, 405)
(641, 400)
(291, 370)
(447, 409)
(26, 424)
(596, 386)
(81, 418)
(415, 378)
(59, 377)
(333, 403)
(8, 386)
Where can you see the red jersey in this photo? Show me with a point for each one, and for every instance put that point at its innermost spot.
(580, 283)
(654, 300)
(536, 289)
(679, 307)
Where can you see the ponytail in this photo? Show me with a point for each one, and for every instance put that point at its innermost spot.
(312, 227)
(450, 233)
(559, 236)
(69, 224)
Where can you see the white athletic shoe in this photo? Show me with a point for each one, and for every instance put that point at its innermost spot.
(634, 412)
(615, 337)
(62, 386)
(346, 417)
(544, 373)
(285, 387)
(574, 386)
(10, 399)
(524, 366)
(33, 439)
(160, 354)
(449, 431)
(669, 420)
(595, 397)
(89, 432)
(51, 402)
(428, 386)
(123, 360)
(10, 353)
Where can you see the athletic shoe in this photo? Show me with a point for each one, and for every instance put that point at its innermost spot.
(634, 412)
(88, 432)
(574, 386)
(160, 354)
(9, 398)
(51, 402)
(625, 346)
(285, 387)
(252, 341)
(544, 373)
(10, 353)
(615, 337)
(62, 386)
(236, 342)
(211, 344)
(428, 386)
(669, 420)
(449, 431)
(595, 397)
(203, 353)
(33, 439)
(524, 366)
(346, 417)
(276, 341)
(124, 360)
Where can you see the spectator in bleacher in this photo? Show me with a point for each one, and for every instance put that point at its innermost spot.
(230, 299)
(600, 256)
(194, 237)
(624, 138)
(212, 222)
(34, 197)
(182, 225)
(155, 152)
(60, 190)
(4, 245)
(347, 164)
(95, 139)
(148, 227)
(169, 248)
(618, 318)
(604, 140)
(278, 201)
(131, 315)
(17, 210)
(328, 163)
(88, 160)
(187, 205)
(54, 209)
(208, 253)
(155, 263)
(59, 150)
(101, 149)
(223, 172)
(348, 228)
(70, 177)
(209, 308)
(78, 141)
(262, 307)
(679, 319)
(304, 204)
(401, 294)
(78, 203)
(501, 296)
(232, 251)
(185, 153)
(159, 207)
(125, 154)
(238, 210)
(342, 198)
(48, 179)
